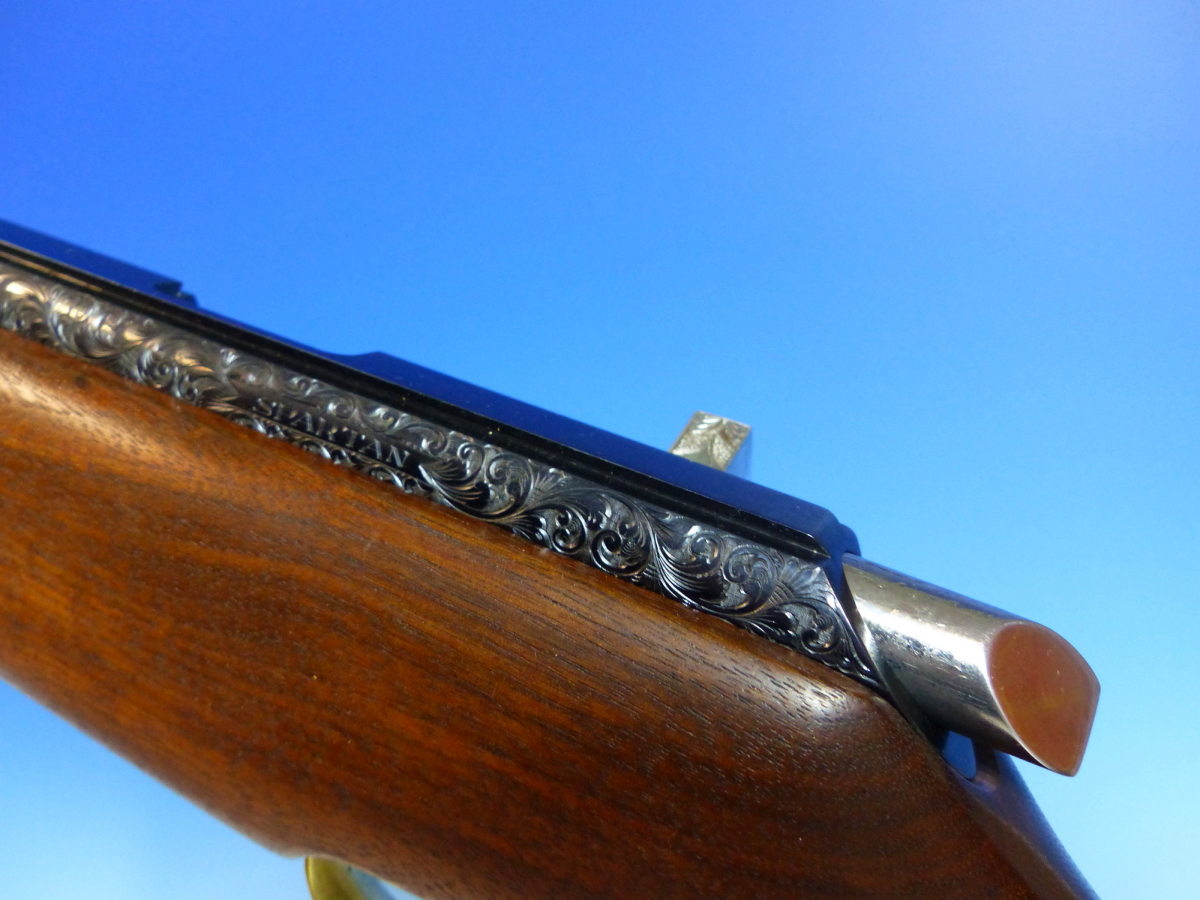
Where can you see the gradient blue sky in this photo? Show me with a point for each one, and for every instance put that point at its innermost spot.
(943, 257)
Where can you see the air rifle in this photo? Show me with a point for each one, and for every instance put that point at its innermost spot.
(520, 658)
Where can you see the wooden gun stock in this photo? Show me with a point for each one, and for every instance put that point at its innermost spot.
(337, 668)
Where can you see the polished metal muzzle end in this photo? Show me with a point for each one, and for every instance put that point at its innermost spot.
(954, 664)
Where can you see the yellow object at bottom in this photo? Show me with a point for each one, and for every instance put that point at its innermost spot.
(331, 879)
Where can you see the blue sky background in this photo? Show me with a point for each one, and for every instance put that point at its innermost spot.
(943, 256)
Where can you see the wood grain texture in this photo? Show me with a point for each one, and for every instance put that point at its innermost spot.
(334, 667)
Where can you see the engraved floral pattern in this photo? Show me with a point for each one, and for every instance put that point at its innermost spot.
(769, 593)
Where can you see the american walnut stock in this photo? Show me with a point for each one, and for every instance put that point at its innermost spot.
(334, 667)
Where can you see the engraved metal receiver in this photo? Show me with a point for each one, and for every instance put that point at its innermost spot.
(779, 567)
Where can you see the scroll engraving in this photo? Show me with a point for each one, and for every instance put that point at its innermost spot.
(769, 593)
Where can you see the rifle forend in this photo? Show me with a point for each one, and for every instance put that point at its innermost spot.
(343, 670)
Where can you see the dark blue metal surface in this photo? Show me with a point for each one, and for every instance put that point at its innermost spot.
(106, 267)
